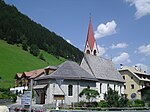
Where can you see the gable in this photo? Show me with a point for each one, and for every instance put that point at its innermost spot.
(101, 68)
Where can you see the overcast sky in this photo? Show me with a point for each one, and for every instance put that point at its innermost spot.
(121, 27)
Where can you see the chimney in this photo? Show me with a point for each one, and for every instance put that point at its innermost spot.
(136, 68)
(121, 66)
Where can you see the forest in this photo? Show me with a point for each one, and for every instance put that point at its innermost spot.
(17, 28)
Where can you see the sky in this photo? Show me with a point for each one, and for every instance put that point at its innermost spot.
(121, 27)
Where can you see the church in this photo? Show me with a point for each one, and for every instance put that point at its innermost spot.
(63, 85)
(102, 69)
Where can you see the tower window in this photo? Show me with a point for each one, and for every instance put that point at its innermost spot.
(88, 51)
(95, 52)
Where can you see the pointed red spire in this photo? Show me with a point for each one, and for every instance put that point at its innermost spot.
(90, 36)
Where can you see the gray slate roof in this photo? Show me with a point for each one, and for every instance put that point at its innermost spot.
(101, 68)
(70, 70)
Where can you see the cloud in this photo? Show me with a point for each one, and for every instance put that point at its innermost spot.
(144, 50)
(68, 41)
(101, 50)
(119, 45)
(142, 7)
(106, 29)
(122, 58)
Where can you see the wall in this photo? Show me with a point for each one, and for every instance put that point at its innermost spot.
(128, 82)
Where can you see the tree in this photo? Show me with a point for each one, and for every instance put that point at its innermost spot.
(90, 94)
(24, 42)
(41, 57)
(114, 99)
(34, 50)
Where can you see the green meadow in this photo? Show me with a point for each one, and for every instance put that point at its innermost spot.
(15, 60)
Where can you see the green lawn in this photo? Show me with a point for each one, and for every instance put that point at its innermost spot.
(13, 60)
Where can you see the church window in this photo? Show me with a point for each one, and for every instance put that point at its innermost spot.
(88, 51)
(95, 52)
(100, 87)
(107, 87)
(114, 87)
(70, 90)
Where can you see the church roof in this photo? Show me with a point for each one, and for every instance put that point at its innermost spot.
(90, 36)
(70, 70)
(101, 68)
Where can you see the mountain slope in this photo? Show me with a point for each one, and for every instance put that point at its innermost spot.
(13, 59)
(18, 28)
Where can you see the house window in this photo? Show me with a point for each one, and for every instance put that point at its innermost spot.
(70, 90)
(132, 86)
(100, 87)
(123, 77)
(124, 86)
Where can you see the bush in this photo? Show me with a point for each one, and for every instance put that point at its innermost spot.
(139, 103)
(136, 103)
(103, 104)
(6, 94)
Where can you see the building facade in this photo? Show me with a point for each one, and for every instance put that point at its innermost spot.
(135, 79)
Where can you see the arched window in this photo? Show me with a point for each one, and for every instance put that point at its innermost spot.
(88, 51)
(100, 87)
(70, 90)
(95, 52)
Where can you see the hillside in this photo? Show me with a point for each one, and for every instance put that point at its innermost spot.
(13, 59)
(17, 28)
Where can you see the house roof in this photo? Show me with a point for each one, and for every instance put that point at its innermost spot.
(145, 88)
(18, 75)
(90, 36)
(101, 68)
(138, 73)
(39, 86)
(34, 73)
(51, 67)
(69, 70)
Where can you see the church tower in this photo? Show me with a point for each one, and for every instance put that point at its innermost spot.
(91, 46)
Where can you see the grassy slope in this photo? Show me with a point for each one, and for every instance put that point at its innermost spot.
(13, 60)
